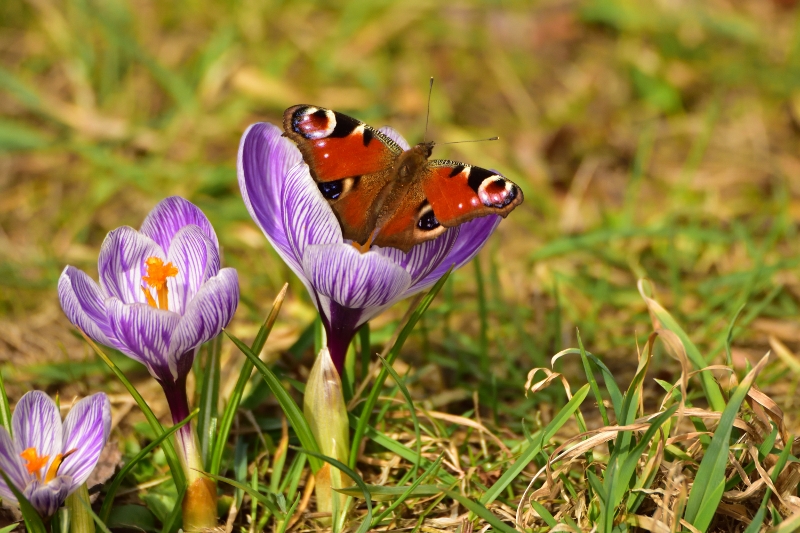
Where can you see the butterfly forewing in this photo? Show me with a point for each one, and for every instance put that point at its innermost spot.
(458, 192)
(349, 160)
(337, 146)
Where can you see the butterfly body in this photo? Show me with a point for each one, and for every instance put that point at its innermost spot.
(384, 195)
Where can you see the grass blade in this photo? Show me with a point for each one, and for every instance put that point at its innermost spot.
(209, 399)
(709, 482)
(108, 500)
(169, 451)
(398, 448)
(411, 410)
(365, 525)
(480, 510)
(5, 410)
(710, 387)
(228, 414)
(533, 450)
(267, 501)
(372, 399)
(622, 467)
(293, 413)
(409, 491)
(176, 514)
(94, 516)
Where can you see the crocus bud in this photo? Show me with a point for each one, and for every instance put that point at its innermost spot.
(325, 411)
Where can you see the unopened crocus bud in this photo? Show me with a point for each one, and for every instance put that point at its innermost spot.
(325, 411)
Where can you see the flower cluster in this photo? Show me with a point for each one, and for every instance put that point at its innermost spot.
(162, 293)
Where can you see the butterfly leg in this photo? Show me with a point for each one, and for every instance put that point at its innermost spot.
(364, 248)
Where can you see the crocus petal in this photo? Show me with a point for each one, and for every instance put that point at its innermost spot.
(12, 464)
(143, 333)
(83, 303)
(396, 137)
(36, 424)
(47, 498)
(197, 259)
(472, 236)
(86, 430)
(353, 279)
(264, 160)
(121, 263)
(307, 216)
(208, 312)
(169, 216)
(424, 257)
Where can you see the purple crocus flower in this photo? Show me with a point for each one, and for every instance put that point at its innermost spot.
(348, 287)
(161, 295)
(47, 460)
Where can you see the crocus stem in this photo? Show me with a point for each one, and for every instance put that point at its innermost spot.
(80, 521)
(200, 500)
(340, 329)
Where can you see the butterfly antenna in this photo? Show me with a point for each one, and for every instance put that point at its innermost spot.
(428, 114)
(474, 140)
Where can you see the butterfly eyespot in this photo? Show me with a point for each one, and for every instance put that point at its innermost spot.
(331, 190)
(496, 191)
(427, 221)
(314, 122)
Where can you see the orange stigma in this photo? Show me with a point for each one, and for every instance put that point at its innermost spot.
(52, 472)
(364, 248)
(156, 278)
(35, 462)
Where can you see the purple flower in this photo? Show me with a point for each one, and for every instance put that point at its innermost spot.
(47, 460)
(161, 294)
(348, 287)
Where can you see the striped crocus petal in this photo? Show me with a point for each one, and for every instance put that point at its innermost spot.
(121, 263)
(264, 160)
(424, 257)
(210, 310)
(144, 333)
(197, 259)
(48, 497)
(172, 214)
(353, 279)
(12, 464)
(83, 302)
(470, 239)
(308, 218)
(85, 430)
(36, 423)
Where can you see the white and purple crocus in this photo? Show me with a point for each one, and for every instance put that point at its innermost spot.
(162, 294)
(347, 286)
(47, 460)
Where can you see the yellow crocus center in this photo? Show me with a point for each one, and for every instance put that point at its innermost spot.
(35, 461)
(156, 278)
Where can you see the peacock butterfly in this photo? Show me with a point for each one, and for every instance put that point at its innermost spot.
(385, 195)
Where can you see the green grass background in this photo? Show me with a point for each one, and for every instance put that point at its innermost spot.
(652, 140)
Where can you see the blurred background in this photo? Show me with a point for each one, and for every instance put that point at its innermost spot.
(652, 139)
